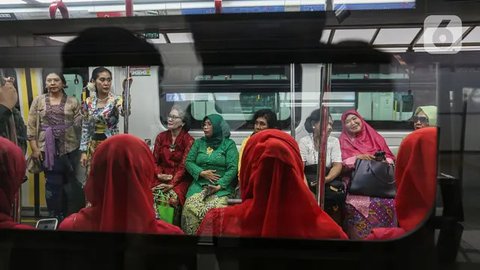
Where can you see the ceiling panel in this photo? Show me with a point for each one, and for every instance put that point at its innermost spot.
(402, 36)
(325, 35)
(180, 37)
(473, 36)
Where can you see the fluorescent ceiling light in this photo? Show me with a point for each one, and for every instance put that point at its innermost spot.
(393, 50)
(388, 36)
(353, 35)
(180, 37)
(473, 36)
(63, 39)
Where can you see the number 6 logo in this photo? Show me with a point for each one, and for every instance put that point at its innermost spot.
(442, 34)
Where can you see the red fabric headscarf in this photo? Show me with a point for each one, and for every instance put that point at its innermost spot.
(367, 141)
(118, 188)
(415, 175)
(275, 200)
(12, 171)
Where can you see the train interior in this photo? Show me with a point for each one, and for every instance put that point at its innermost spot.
(288, 56)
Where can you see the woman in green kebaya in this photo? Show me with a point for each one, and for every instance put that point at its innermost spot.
(213, 163)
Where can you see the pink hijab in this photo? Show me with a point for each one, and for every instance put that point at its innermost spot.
(367, 141)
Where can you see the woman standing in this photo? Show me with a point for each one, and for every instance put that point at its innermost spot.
(54, 139)
(362, 213)
(213, 163)
(101, 113)
(170, 152)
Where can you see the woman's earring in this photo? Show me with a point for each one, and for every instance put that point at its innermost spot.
(313, 127)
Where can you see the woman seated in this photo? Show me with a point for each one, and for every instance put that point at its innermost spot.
(12, 172)
(170, 152)
(363, 213)
(119, 190)
(275, 200)
(425, 116)
(213, 163)
(262, 119)
(309, 146)
(416, 180)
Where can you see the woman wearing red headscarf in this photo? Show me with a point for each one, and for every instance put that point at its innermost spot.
(12, 171)
(119, 190)
(362, 213)
(275, 200)
(415, 177)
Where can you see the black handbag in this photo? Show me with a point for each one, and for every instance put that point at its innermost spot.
(373, 178)
(334, 190)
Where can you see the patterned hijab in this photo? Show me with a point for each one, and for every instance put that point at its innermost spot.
(221, 130)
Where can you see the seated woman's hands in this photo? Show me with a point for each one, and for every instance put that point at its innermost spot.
(164, 177)
(366, 157)
(163, 187)
(211, 189)
(210, 175)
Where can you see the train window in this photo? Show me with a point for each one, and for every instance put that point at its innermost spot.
(386, 96)
(235, 92)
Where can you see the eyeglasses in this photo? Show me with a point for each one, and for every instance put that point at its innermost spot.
(422, 119)
(174, 117)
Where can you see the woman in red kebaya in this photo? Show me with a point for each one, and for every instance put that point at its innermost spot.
(171, 150)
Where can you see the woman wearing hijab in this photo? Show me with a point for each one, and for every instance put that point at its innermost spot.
(119, 190)
(12, 171)
(425, 116)
(275, 200)
(363, 213)
(212, 162)
(415, 177)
